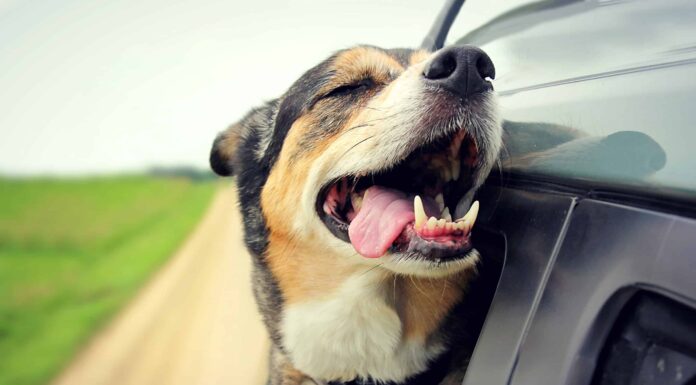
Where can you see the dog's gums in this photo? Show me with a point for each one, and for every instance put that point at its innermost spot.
(409, 207)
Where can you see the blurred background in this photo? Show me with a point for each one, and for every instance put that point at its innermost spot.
(120, 254)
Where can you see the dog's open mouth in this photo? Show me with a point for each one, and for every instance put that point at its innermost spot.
(410, 207)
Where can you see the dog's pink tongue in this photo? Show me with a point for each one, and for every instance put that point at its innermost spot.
(382, 217)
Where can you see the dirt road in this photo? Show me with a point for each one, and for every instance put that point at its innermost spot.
(194, 323)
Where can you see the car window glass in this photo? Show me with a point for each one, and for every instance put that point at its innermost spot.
(595, 90)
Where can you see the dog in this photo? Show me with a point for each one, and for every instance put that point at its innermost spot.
(356, 187)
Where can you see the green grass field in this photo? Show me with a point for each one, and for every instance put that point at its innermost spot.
(72, 252)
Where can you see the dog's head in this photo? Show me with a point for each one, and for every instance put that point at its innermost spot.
(369, 158)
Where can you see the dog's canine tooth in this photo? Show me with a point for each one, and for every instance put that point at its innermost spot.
(419, 211)
(470, 218)
(432, 222)
(473, 213)
(463, 205)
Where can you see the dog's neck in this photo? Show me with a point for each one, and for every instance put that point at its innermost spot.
(342, 321)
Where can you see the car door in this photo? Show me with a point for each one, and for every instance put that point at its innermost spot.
(592, 210)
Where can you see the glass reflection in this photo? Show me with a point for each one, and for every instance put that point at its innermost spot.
(597, 90)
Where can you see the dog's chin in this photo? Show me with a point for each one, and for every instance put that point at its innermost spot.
(424, 265)
(412, 254)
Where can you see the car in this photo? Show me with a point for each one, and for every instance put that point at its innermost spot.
(592, 248)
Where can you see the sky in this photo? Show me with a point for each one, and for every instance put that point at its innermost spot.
(101, 86)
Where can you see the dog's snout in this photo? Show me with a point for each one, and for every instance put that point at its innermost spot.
(461, 69)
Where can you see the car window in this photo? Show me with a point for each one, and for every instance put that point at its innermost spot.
(595, 90)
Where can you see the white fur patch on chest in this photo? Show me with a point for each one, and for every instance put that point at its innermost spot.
(355, 332)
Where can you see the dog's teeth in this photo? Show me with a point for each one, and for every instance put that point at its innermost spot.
(419, 211)
(473, 212)
(440, 200)
(446, 214)
(464, 205)
(470, 218)
(441, 223)
(432, 222)
(357, 201)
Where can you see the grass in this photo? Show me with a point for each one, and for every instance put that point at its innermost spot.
(72, 252)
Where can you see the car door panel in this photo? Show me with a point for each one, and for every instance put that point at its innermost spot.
(609, 252)
(531, 223)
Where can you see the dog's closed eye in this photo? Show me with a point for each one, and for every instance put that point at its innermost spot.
(348, 89)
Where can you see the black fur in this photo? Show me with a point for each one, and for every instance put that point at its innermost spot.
(252, 173)
(252, 164)
(218, 163)
(294, 103)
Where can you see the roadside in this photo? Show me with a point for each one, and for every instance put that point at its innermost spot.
(195, 322)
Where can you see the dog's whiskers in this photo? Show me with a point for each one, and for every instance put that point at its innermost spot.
(347, 130)
(355, 145)
(370, 269)
(418, 288)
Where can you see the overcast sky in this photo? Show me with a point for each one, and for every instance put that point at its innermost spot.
(95, 86)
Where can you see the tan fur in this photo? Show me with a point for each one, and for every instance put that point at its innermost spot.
(295, 257)
(362, 62)
(286, 180)
(419, 57)
(422, 303)
(298, 262)
(301, 270)
(229, 142)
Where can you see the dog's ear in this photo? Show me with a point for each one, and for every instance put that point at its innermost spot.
(244, 141)
(224, 151)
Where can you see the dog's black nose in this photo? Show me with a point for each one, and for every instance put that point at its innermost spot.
(462, 70)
